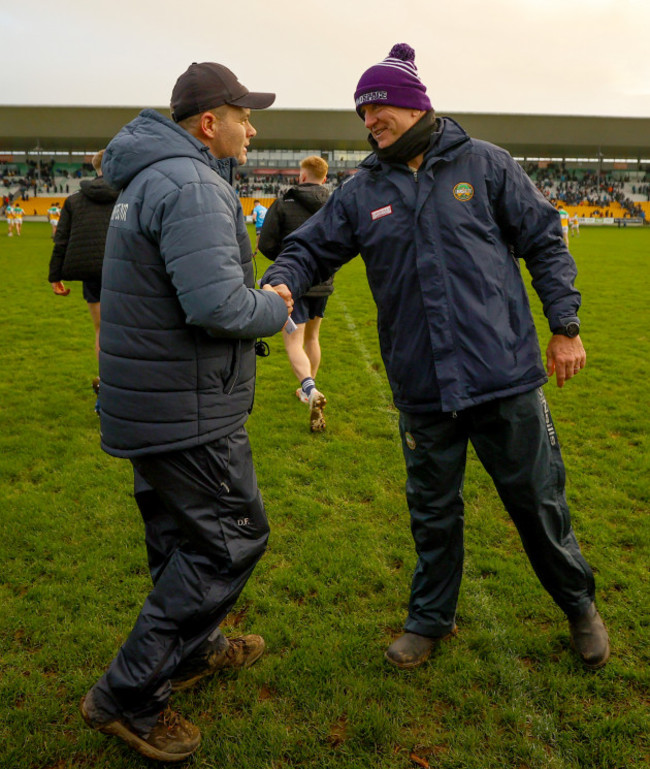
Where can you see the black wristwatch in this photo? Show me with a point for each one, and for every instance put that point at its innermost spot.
(570, 327)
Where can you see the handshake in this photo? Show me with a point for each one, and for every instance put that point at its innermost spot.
(283, 292)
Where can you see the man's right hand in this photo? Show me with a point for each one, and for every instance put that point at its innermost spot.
(59, 288)
(283, 292)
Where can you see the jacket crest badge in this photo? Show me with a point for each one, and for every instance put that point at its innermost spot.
(463, 191)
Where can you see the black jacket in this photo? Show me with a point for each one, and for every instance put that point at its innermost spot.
(286, 215)
(81, 234)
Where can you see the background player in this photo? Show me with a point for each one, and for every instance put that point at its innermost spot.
(303, 346)
(53, 216)
(259, 212)
(9, 213)
(18, 214)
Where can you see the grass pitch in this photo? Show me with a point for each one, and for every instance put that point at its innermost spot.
(331, 592)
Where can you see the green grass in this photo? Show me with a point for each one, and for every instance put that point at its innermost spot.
(331, 592)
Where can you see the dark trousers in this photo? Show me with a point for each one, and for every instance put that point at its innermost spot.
(205, 529)
(516, 442)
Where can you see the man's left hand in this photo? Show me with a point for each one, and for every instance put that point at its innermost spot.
(59, 288)
(564, 357)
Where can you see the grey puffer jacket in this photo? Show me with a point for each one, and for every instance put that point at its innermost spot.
(180, 313)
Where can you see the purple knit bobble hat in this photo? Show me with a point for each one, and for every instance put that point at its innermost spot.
(393, 81)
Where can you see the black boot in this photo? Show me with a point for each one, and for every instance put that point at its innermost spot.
(411, 649)
(589, 638)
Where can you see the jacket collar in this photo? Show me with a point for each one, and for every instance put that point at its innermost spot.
(446, 142)
(225, 167)
(150, 138)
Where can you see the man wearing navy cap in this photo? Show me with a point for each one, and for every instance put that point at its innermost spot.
(441, 220)
(180, 316)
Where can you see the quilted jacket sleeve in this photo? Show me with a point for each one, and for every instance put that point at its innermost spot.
(199, 244)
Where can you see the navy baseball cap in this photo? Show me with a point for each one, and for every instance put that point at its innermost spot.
(205, 86)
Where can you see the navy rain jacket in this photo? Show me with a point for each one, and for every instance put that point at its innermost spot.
(455, 326)
(179, 311)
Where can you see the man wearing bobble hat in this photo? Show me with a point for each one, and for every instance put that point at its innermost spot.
(441, 220)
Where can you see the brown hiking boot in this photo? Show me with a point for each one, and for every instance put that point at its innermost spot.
(240, 653)
(171, 739)
(590, 639)
(412, 649)
(317, 403)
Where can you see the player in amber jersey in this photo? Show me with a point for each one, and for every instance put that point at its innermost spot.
(564, 216)
(53, 216)
(18, 218)
(9, 213)
(574, 225)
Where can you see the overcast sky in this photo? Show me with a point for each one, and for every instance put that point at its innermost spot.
(581, 57)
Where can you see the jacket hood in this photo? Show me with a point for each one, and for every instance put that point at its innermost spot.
(445, 140)
(310, 196)
(150, 138)
(98, 190)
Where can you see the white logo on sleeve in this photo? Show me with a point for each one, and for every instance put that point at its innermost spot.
(120, 211)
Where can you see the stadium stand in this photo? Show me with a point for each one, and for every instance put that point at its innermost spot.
(593, 165)
(594, 194)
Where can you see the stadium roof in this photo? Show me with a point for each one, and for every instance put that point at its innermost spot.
(66, 129)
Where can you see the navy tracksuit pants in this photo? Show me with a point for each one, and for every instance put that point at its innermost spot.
(515, 439)
(205, 529)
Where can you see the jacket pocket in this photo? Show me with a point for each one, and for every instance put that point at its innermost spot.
(245, 534)
(514, 322)
(231, 377)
